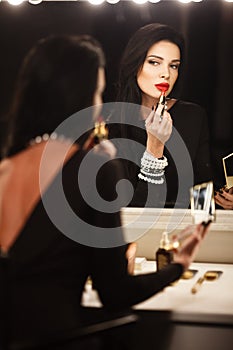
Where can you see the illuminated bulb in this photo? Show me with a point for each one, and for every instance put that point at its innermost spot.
(15, 2)
(154, 1)
(229, 0)
(35, 2)
(185, 1)
(96, 2)
(139, 2)
(113, 1)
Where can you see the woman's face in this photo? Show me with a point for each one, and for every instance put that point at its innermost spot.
(160, 66)
(98, 98)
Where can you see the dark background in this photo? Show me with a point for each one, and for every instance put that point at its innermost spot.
(207, 27)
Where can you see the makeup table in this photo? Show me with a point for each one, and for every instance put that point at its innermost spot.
(176, 319)
(192, 321)
(212, 303)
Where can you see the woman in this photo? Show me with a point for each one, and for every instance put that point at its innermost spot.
(49, 249)
(176, 144)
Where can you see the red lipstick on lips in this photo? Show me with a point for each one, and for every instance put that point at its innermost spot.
(163, 87)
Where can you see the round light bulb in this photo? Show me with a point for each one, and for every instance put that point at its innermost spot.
(35, 2)
(96, 2)
(140, 2)
(15, 2)
(113, 1)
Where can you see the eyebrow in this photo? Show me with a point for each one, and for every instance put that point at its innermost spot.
(161, 58)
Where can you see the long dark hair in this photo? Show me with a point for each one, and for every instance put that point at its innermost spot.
(58, 77)
(135, 54)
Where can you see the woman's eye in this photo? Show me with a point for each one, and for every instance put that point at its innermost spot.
(174, 66)
(154, 63)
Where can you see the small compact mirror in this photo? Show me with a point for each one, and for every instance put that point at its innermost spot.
(228, 170)
(202, 202)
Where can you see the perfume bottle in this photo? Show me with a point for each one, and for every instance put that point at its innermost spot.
(164, 255)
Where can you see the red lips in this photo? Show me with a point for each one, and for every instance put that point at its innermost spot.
(162, 87)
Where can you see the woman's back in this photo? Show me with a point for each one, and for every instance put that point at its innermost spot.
(42, 263)
(43, 271)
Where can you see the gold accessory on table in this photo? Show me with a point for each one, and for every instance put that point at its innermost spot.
(210, 275)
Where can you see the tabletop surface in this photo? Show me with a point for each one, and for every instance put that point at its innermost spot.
(213, 300)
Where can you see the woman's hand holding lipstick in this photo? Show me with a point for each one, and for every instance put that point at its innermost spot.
(158, 124)
(159, 131)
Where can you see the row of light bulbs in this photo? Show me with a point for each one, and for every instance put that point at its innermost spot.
(98, 2)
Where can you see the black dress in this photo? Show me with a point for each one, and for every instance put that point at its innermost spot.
(187, 151)
(43, 275)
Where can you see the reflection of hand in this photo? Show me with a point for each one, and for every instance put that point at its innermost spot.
(160, 128)
(186, 253)
(130, 256)
(225, 199)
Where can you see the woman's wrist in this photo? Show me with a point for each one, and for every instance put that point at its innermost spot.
(154, 147)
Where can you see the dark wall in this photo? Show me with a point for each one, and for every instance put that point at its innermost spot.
(207, 26)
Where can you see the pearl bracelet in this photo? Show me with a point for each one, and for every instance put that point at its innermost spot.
(151, 162)
(147, 179)
(152, 167)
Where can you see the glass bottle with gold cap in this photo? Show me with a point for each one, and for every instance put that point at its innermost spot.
(164, 255)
